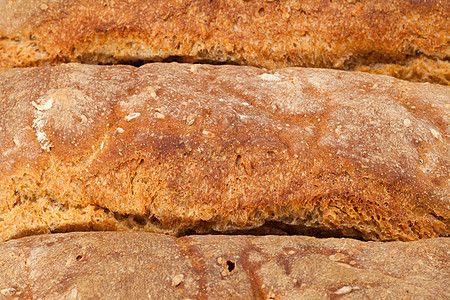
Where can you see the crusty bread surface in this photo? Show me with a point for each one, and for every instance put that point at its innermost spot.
(406, 39)
(182, 148)
(120, 265)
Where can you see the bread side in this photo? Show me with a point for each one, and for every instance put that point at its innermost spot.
(181, 148)
(406, 39)
(140, 266)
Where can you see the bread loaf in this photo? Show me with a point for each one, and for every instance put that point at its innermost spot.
(118, 265)
(406, 39)
(180, 148)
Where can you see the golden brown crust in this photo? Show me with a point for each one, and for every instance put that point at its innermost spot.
(179, 147)
(113, 265)
(388, 37)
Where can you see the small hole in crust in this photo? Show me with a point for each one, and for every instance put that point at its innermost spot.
(79, 257)
(261, 12)
(230, 265)
(238, 160)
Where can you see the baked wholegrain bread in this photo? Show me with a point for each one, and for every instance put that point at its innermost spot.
(118, 265)
(406, 39)
(181, 148)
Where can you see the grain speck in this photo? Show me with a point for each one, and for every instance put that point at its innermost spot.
(152, 92)
(269, 77)
(119, 130)
(159, 115)
(177, 280)
(132, 116)
(344, 290)
(190, 120)
(337, 257)
(435, 133)
(9, 291)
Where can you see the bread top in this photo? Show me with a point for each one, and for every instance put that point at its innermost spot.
(406, 39)
(115, 265)
(179, 147)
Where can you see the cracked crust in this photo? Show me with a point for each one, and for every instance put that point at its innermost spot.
(179, 148)
(405, 39)
(116, 265)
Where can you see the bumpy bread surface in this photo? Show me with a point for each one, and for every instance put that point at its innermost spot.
(115, 265)
(181, 148)
(406, 39)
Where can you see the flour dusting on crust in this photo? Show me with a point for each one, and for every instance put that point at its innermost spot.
(39, 122)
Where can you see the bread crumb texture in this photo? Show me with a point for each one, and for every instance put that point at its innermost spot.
(115, 265)
(238, 149)
(405, 39)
